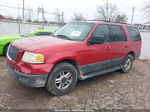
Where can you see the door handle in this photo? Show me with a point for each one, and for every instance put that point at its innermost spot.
(107, 48)
(126, 46)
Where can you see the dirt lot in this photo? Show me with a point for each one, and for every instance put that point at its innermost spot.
(111, 91)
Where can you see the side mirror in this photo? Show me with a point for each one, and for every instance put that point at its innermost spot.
(97, 39)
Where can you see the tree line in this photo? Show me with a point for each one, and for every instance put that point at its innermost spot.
(105, 12)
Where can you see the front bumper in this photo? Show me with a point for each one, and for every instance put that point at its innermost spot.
(29, 80)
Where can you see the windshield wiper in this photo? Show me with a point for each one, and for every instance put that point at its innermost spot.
(63, 36)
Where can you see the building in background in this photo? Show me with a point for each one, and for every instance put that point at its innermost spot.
(144, 27)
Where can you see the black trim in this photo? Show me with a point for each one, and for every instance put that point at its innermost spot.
(95, 66)
(95, 69)
(38, 80)
(116, 61)
(100, 72)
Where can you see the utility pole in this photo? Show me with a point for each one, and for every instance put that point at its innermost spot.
(18, 19)
(43, 19)
(23, 11)
(62, 19)
(132, 15)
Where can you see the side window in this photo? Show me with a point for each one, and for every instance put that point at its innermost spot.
(43, 34)
(134, 34)
(102, 30)
(117, 34)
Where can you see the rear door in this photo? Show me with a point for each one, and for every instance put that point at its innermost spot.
(118, 44)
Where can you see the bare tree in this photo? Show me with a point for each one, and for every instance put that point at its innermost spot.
(147, 10)
(58, 15)
(40, 10)
(29, 14)
(107, 11)
(78, 16)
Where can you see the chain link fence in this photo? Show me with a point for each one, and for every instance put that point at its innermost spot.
(16, 27)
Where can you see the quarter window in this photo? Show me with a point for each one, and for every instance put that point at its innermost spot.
(117, 33)
(134, 34)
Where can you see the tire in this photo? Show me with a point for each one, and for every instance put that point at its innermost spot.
(127, 63)
(61, 75)
(5, 50)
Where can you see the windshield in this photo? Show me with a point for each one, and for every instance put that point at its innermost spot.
(27, 34)
(74, 31)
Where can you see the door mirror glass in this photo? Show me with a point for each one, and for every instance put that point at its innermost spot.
(97, 39)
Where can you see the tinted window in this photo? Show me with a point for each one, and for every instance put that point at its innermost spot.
(102, 30)
(134, 34)
(43, 33)
(117, 33)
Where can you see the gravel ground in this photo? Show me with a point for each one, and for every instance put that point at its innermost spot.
(111, 91)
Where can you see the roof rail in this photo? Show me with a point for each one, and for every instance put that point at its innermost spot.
(108, 21)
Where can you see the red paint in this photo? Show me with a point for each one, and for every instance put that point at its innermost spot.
(55, 50)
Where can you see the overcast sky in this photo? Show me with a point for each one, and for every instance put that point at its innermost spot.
(88, 7)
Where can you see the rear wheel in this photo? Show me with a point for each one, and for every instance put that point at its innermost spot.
(62, 79)
(127, 63)
(5, 50)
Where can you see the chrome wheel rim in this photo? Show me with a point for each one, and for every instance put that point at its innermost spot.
(63, 80)
(127, 64)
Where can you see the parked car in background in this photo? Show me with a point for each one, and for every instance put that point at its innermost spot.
(79, 50)
(5, 40)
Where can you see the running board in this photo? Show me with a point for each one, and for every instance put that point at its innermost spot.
(97, 73)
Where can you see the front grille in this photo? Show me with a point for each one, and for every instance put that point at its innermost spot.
(12, 53)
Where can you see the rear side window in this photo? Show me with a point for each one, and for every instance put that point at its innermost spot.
(117, 33)
(134, 34)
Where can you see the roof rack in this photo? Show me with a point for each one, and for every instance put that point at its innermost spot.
(108, 21)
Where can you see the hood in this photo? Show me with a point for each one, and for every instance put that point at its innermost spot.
(3, 37)
(34, 43)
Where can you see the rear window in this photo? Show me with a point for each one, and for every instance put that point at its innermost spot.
(134, 34)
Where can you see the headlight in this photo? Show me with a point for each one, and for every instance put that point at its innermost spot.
(33, 57)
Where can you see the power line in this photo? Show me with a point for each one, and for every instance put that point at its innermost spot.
(8, 3)
(43, 12)
(22, 8)
(13, 7)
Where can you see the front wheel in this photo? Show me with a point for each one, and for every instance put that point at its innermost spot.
(62, 79)
(127, 63)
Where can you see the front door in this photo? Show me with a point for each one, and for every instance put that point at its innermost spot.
(97, 56)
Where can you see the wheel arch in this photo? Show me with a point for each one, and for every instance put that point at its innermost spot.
(5, 47)
(132, 53)
(70, 61)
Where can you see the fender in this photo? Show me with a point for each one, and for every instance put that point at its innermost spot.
(63, 56)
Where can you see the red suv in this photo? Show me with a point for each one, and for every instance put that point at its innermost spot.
(79, 50)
